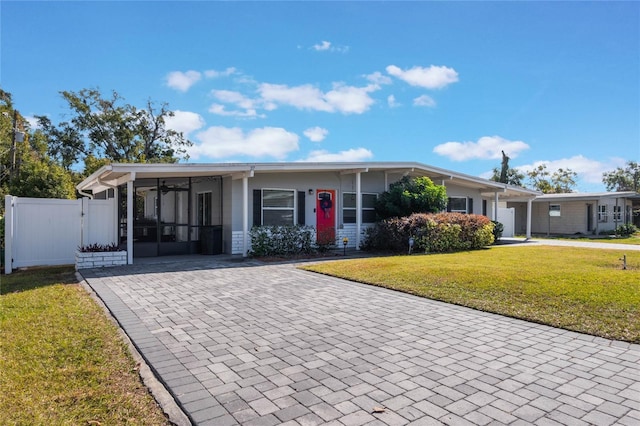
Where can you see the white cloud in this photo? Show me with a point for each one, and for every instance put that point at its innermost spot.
(215, 74)
(182, 81)
(424, 100)
(221, 142)
(184, 121)
(327, 46)
(221, 110)
(589, 171)
(354, 154)
(33, 122)
(486, 148)
(378, 78)
(248, 105)
(344, 99)
(434, 77)
(391, 101)
(316, 134)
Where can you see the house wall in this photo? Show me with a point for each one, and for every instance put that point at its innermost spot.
(573, 217)
(371, 182)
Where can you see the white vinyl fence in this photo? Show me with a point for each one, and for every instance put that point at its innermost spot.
(43, 231)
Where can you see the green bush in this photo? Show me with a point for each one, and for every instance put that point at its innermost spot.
(281, 240)
(498, 228)
(432, 233)
(626, 229)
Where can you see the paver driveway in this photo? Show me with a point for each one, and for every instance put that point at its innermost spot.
(270, 344)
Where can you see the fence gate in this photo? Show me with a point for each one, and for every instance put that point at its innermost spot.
(507, 217)
(43, 231)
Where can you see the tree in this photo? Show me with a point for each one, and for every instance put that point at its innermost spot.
(411, 195)
(623, 179)
(108, 128)
(506, 174)
(26, 169)
(561, 181)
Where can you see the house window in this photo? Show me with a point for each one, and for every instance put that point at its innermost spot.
(602, 213)
(617, 213)
(459, 204)
(204, 208)
(278, 206)
(349, 207)
(554, 210)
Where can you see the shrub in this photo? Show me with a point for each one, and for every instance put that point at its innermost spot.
(497, 230)
(437, 233)
(411, 195)
(281, 240)
(92, 248)
(626, 229)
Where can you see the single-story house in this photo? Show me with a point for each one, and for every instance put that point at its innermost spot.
(576, 213)
(166, 209)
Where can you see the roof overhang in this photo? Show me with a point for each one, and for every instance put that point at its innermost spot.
(112, 175)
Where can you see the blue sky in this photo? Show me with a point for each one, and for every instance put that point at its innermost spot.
(445, 84)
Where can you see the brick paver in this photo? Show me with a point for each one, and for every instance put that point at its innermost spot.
(248, 343)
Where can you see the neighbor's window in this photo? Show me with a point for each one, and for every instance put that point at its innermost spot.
(617, 212)
(602, 213)
(349, 207)
(458, 204)
(278, 206)
(554, 209)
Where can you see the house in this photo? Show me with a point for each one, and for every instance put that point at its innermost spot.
(210, 208)
(576, 213)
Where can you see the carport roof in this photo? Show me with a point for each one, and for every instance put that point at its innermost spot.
(117, 174)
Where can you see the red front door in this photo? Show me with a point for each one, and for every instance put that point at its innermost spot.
(326, 215)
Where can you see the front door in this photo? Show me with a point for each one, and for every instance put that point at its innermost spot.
(326, 215)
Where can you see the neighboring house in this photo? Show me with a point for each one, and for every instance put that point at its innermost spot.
(576, 213)
(210, 208)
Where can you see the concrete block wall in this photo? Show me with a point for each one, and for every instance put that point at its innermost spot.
(86, 260)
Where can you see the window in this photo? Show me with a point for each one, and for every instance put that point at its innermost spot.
(617, 213)
(602, 213)
(554, 210)
(349, 207)
(459, 204)
(278, 206)
(204, 209)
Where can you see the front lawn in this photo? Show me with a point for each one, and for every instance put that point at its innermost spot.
(627, 239)
(62, 361)
(577, 289)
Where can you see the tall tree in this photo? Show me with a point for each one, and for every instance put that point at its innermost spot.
(411, 195)
(561, 181)
(108, 128)
(507, 174)
(26, 169)
(623, 179)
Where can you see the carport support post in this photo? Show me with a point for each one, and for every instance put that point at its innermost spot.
(358, 208)
(495, 208)
(130, 199)
(245, 215)
(529, 202)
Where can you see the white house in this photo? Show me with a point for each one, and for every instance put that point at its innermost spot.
(194, 208)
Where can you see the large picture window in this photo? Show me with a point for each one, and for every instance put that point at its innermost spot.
(349, 207)
(278, 206)
(459, 204)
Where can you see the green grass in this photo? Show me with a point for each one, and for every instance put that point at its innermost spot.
(577, 289)
(62, 360)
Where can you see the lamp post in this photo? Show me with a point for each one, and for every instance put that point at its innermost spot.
(345, 241)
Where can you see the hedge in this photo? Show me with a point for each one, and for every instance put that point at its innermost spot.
(432, 233)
